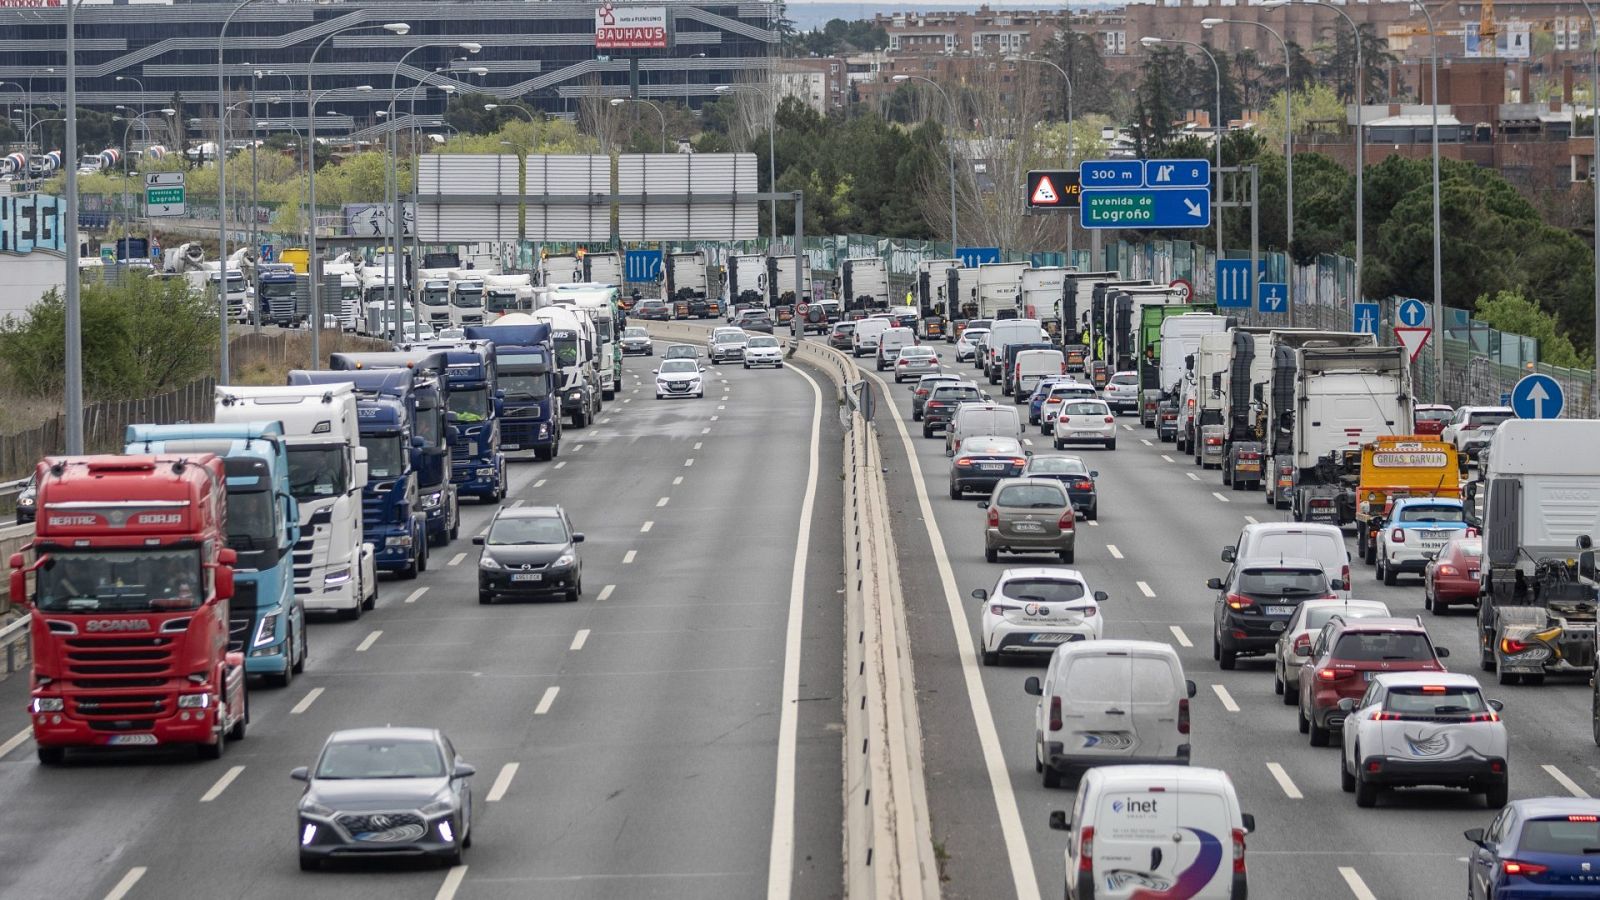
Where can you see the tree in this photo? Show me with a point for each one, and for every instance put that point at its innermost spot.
(1314, 108)
(1094, 88)
(1511, 312)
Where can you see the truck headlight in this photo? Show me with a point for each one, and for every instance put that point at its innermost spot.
(336, 577)
(575, 395)
(544, 429)
(266, 630)
(402, 541)
(487, 471)
(194, 701)
(431, 501)
(48, 704)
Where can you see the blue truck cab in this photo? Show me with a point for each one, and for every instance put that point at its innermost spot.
(391, 516)
(525, 362)
(477, 465)
(266, 622)
(277, 295)
(433, 423)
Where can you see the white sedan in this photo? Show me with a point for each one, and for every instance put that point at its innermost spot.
(968, 343)
(1082, 422)
(679, 378)
(763, 350)
(914, 362)
(1033, 611)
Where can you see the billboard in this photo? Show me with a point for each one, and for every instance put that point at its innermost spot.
(630, 27)
(1515, 41)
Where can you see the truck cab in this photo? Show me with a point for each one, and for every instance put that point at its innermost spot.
(576, 356)
(466, 297)
(599, 303)
(525, 370)
(435, 297)
(506, 294)
(477, 465)
(278, 295)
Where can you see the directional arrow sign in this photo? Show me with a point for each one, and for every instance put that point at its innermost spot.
(1165, 208)
(1364, 317)
(1537, 397)
(1413, 339)
(1411, 313)
(164, 194)
(1233, 283)
(1273, 297)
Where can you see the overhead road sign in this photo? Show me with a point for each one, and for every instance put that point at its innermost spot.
(1364, 317)
(972, 257)
(1111, 173)
(1537, 396)
(1056, 189)
(164, 194)
(1177, 173)
(1411, 313)
(1233, 283)
(1272, 297)
(643, 265)
(1413, 339)
(1142, 208)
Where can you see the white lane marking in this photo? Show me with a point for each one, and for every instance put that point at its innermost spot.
(705, 431)
(698, 444)
(1562, 779)
(502, 783)
(1285, 782)
(1028, 441)
(628, 557)
(516, 503)
(1091, 523)
(624, 400)
(1218, 495)
(1192, 476)
(1183, 639)
(15, 741)
(575, 448)
(1251, 520)
(1166, 457)
(126, 884)
(1112, 549)
(1353, 881)
(1020, 863)
(1127, 427)
(605, 592)
(562, 464)
(678, 480)
(416, 594)
(539, 483)
(606, 421)
(1145, 589)
(721, 407)
(547, 700)
(221, 784)
(452, 878)
(714, 418)
(662, 502)
(306, 701)
(456, 560)
(645, 528)
(368, 641)
(1146, 442)
(579, 639)
(688, 462)
(780, 853)
(1225, 697)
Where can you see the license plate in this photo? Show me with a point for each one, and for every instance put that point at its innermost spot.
(992, 467)
(1051, 638)
(1435, 535)
(1472, 573)
(1248, 467)
(527, 576)
(1085, 434)
(1280, 610)
(505, 446)
(1027, 526)
(135, 740)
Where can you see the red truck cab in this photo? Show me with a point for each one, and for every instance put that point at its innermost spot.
(128, 592)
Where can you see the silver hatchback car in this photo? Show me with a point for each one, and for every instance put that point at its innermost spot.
(1029, 515)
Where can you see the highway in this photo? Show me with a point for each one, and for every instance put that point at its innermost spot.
(1162, 524)
(629, 745)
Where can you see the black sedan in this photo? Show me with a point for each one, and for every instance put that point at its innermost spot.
(530, 552)
(1074, 475)
(27, 501)
(982, 462)
(652, 310)
(385, 792)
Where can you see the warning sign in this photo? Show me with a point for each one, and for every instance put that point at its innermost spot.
(1052, 190)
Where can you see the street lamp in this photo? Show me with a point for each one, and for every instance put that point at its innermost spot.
(491, 107)
(1153, 41)
(1071, 135)
(74, 309)
(1438, 277)
(222, 184)
(125, 179)
(772, 155)
(1288, 148)
(618, 101)
(901, 79)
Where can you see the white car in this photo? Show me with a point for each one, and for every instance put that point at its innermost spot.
(1122, 392)
(969, 342)
(914, 362)
(1471, 429)
(1417, 528)
(1294, 643)
(1061, 392)
(1032, 611)
(679, 378)
(1424, 728)
(727, 345)
(1082, 422)
(763, 350)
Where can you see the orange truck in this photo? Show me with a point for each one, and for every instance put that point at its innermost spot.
(1398, 466)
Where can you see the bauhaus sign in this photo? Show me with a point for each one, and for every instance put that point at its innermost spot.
(630, 27)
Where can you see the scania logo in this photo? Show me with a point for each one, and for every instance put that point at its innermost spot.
(117, 625)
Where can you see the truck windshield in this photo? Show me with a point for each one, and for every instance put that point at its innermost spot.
(273, 289)
(93, 581)
(252, 524)
(235, 284)
(436, 297)
(386, 456)
(317, 472)
(566, 351)
(500, 301)
(525, 387)
(468, 298)
(429, 426)
(470, 405)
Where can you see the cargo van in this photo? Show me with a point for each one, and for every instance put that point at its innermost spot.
(1033, 365)
(1143, 831)
(973, 419)
(1009, 331)
(1109, 703)
(891, 342)
(865, 339)
(1301, 540)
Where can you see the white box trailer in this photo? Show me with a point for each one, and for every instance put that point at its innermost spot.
(863, 283)
(1000, 290)
(1541, 493)
(1344, 397)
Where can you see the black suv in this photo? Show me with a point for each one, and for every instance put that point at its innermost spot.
(942, 403)
(1256, 600)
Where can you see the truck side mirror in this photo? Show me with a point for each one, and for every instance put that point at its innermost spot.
(359, 456)
(223, 578)
(227, 556)
(417, 443)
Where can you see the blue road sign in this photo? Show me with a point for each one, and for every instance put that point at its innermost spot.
(1411, 313)
(1147, 208)
(266, 253)
(1111, 173)
(1364, 317)
(1233, 283)
(643, 265)
(972, 257)
(1160, 173)
(1272, 297)
(1537, 397)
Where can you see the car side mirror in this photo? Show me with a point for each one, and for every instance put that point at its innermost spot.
(1227, 554)
(980, 594)
(983, 504)
(1093, 473)
(1336, 584)
(464, 770)
(1248, 821)
(1101, 596)
(1188, 686)
(1032, 686)
(300, 773)
(1214, 583)
(1475, 835)
(1027, 453)
(1347, 704)
(655, 371)
(1497, 705)
(1442, 652)
(577, 537)
(1058, 820)
(478, 541)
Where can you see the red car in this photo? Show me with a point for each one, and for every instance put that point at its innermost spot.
(1345, 656)
(1452, 575)
(1431, 418)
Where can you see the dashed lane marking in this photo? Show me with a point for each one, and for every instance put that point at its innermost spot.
(1146, 442)
(539, 483)
(1145, 589)
(662, 502)
(575, 448)
(221, 784)
(1167, 458)
(547, 700)
(645, 528)
(1285, 782)
(368, 641)
(456, 560)
(1251, 520)
(1183, 639)
(15, 741)
(127, 883)
(705, 431)
(1562, 779)
(1218, 495)
(1353, 881)
(579, 639)
(627, 558)
(416, 594)
(306, 701)
(452, 883)
(678, 480)
(1112, 549)
(502, 783)
(1192, 476)
(605, 592)
(688, 462)
(1226, 698)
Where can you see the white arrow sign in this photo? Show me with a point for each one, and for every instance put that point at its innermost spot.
(1194, 208)
(1538, 396)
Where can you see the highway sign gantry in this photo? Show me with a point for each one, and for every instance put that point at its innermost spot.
(1537, 396)
(1151, 193)
(164, 194)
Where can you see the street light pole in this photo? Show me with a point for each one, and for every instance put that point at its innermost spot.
(1151, 42)
(952, 139)
(222, 186)
(1072, 136)
(1438, 277)
(74, 308)
(618, 101)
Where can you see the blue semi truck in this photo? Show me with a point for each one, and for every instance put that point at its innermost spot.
(530, 420)
(477, 464)
(391, 516)
(266, 622)
(278, 292)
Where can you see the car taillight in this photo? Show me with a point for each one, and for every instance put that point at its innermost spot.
(1213, 442)
(1397, 535)
(1086, 849)
(994, 517)
(1083, 484)
(902, 362)
(1387, 717)
(1330, 675)
(1249, 455)
(1052, 401)
(1238, 601)
(1446, 569)
(1065, 523)
(1019, 460)
(1472, 532)
(1512, 645)
(1303, 640)
(999, 609)
(963, 463)
(1065, 419)
(1344, 576)
(1183, 715)
(1055, 713)
(1487, 716)
(1109, 420)
(1238, 851)
(1525, 869)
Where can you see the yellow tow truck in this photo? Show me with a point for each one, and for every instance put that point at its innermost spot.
(1397, 466)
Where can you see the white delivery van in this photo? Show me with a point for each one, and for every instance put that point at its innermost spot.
(865, 339)
(1108, 703)
(1147, 831)
(1033, 365)
(891, 342)
(974, 419)
(1300, 540)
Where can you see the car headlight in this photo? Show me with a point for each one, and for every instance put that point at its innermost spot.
(313, 808)
(439, 807)
(575, 395)
(566, 559)
(488, 562)
(25, 501)
(266, 630)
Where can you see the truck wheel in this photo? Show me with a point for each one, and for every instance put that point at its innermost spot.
(305, 652)
(216, 750)
(422, 564)
(542, 454)
(287, 678)
(580, 419)
(55, 756)
(455, 526)
(608, 395)
(236, 733)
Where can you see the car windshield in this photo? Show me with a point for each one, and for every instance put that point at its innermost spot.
(956, 393)
(843, 329)
(681, 352)
(386, 457)
(317, 472)
(727, 337)
(1073, 390)
(991, 446)
(1419, 513)
(471, 405)
(381, 758)
(679, 367)
(528, 530)
(1125, 378)
(1283, 582)
(1043, 590)
(908, 352)
(635, 333)
(525, 387)
(973, 335)
(119, 581)
(1031, 496)
(1436, 700)
(1575, 835)
(1383, 646)
(1057, 465)
(763, 342)
(1085, 409)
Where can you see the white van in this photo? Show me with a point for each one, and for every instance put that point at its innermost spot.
(891, 342)
(1140, 831)
(1009, 331)
(974, 419)
(1303, 540)
(864, 341)
(1031, 366)
(1108, 703)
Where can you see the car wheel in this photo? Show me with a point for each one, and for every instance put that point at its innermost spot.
(1067, 556)
(1227, 659)
(991, 555)
(991, 658)
(1366, 792)
(572, 595)
(1371, 555)
(1427, 600)
(1111, 445)
(1093, 515)
(1291, 693)
(1496, 795)
(484, 598)
(452, 859)
(1347, 781)
(1387, 572)
(1303, 723)
(1277, 682)
(955, 492)
(927, 432)
(1319, 734)
(1486, 662)
(1058, 445)
(916, 416)
(1216, 645)
(1052, 778)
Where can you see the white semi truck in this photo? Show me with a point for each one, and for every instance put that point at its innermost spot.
(1344, 397)
(1000, 290)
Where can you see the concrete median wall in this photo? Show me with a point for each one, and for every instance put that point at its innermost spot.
(888, 838)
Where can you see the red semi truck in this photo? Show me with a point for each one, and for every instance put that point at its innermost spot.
(131, 577)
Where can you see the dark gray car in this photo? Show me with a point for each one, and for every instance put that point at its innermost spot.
(530, 552)
(1029, 515)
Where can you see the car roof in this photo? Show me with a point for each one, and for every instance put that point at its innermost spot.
(1334, 603)
(395, 732)
(1541, 807)
(528, 512)
(1488, 409)
(1058, 573)
(1113, 645)
(1430, 501)
(1031, 482)
(1384, 623)
(1279, 562)
(1291, 528)
(1418, 679)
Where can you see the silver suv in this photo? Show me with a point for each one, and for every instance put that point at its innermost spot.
(1471, 429)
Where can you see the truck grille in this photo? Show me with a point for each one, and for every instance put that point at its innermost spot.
(371, 514)
(110, 655)
(239, 621)
(118, 705)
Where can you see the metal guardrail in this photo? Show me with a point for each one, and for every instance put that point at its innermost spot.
(14, 639)
(13, 634)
